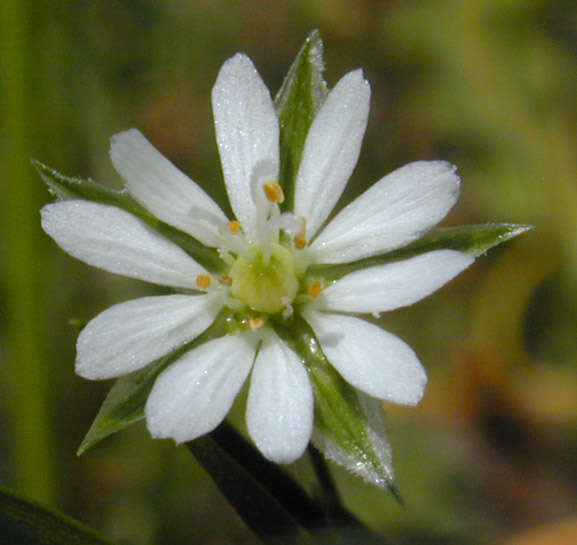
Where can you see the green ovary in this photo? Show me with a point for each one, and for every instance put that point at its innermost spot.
(265, 287)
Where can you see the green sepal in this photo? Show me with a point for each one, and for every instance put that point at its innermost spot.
(470, 239)
(301, 95)
(124, 404)
(349, 427)
(24, 522)
(65, 187)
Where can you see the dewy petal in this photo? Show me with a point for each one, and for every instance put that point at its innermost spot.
(279, 411)
(162, 188)
(130, 335)
(371, 359)
(247, 132)
(390, 214)
(114, 240)
(331, 150)
(394, 285)
(192, 396)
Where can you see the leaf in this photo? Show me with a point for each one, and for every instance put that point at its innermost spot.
(349, 427)
(297, 102)
(471, 239)
(274, 506)
(125, 402)
(65, 187)
(24, 522)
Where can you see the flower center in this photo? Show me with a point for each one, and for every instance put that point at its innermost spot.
(265, 285)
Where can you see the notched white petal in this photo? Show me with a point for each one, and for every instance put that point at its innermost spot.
(192, 396)
(392, 213)
(331, 150)
(394, 285)
(371, 359)
(247, 132)
(130, 335)
(279, 412)
(114, 240)
(163, 189)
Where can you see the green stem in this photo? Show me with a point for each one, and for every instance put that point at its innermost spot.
(27, 388)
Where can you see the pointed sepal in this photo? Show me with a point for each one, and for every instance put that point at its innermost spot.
(470, 239)
(297, 102)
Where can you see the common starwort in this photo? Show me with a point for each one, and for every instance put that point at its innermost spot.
(278, 265)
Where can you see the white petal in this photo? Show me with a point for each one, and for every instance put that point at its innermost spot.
(130, 335)
(369, 358)
(246, 132)
(162, 188)
(331, 150)
(279, 411)
(390, 214)
(192, 396)
(398, 284)
(116, 241)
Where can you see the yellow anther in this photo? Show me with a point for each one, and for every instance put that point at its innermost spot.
(300, 241)
(255, 323)
(314, 289)
(273, 191)
(226, 280)
(235, 227)
(203, 281)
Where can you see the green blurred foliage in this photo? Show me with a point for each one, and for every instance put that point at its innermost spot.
(487, 84)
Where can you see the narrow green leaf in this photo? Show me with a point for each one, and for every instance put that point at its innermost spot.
(297, 102)
(471, 239)
(124, 404)
(24, 522)
(65, 187)
(349, 427)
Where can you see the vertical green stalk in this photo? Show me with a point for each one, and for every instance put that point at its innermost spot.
(27, 374)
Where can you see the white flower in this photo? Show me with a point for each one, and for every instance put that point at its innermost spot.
(268, 255)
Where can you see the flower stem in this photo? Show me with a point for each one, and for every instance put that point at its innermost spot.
(27, 386)
(273, 505)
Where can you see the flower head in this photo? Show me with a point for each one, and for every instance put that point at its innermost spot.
(271, 257)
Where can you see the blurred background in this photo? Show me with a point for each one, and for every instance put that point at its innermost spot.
(490, 455)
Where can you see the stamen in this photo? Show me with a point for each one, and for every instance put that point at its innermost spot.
(203, 281)
(314, 289)
(300, 240)
(226, 280)
(255, 323)
(235, 227)
(273, 191)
